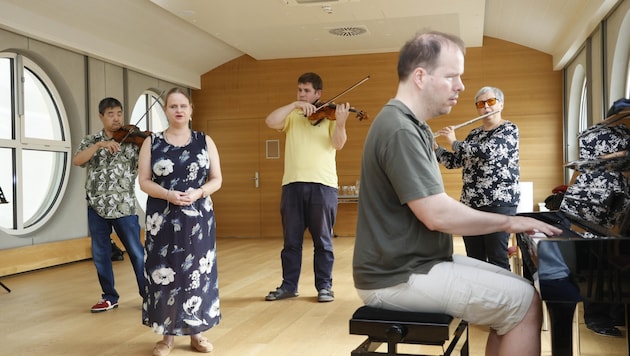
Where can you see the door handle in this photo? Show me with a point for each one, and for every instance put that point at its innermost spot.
(256, 184)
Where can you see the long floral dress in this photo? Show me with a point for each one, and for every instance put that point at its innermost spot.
(182, 294)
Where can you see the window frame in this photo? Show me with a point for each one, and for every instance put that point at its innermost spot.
(145, 119)
(20, 144)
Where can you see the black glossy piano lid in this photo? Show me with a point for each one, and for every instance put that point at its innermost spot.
(602, 232)
(573, 226)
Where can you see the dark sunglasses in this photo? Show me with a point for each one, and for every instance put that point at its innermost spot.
(482, 103)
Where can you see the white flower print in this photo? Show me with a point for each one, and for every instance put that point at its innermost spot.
(206, 263)
(154, 222)
(194, 277)
(163, 276)
(203, 159)
(191, 211)
(192, 305)
(195, 229)
(195, 322)
(193, 170)
(163, 167)
(214, 309)
(158, 329)
(207, 204)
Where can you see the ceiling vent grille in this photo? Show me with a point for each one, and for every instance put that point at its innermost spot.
(313, 2)
(348, 31)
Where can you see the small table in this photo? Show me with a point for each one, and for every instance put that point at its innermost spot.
(342, 199)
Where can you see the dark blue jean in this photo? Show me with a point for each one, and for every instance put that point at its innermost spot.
(309, 206)
(491, 248)
(128, 230)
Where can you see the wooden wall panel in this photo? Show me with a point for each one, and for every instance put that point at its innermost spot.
(34, 257)
(271, 171)
(246, 89)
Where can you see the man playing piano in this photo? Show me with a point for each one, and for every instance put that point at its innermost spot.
(403, 257)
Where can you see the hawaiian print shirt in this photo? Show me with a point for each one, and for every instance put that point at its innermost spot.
(110, 183)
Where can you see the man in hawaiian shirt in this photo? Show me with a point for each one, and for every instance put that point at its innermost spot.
(112, 168)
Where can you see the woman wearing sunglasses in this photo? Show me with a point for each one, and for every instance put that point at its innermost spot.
(489, 158)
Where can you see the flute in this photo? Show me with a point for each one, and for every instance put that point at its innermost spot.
(435, 134)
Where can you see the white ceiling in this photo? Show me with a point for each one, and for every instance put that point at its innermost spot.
(180, 40)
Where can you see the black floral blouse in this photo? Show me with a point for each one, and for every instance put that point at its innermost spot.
(490, 168)
(600, 196)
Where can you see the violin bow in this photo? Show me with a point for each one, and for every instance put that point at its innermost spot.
(343, 92)
(143, 115)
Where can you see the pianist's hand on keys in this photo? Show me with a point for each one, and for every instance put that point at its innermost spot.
(531, 226)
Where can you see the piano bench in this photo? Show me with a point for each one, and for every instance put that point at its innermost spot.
(397, 327)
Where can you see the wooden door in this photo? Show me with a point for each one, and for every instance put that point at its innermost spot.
(237, 203)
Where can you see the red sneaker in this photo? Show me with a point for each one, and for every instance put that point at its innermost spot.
(103, 305)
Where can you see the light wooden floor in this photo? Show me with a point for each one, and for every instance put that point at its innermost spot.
(47, 312)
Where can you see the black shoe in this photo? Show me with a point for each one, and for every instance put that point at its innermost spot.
(117, 253)
(619, 321)
(118, 256)
(605, 330)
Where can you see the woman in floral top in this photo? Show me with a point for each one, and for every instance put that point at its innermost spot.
(179, 169)
(490, 172)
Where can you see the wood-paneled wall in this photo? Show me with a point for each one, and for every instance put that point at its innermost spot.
(236, 97)
(245, 90)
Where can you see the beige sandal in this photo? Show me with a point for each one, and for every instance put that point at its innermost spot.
(201, 344)
(162, 348)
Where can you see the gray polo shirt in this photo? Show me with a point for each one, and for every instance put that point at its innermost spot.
(398, 166)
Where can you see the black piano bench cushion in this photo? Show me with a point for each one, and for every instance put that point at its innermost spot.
(372, 313)
(393, 327)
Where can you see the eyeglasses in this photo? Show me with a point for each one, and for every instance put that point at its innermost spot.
(482, 103)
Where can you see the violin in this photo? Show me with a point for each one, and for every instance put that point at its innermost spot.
(327, 111)
(131, 134)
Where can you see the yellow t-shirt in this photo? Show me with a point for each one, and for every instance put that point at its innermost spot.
(309, 155)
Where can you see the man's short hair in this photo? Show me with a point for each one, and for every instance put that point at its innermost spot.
(108, 103)
(424, 50)
(312, 78)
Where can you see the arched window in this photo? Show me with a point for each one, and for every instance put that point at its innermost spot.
(582, 123)
(35, 146)
(148, 114)
(620, 65)
(583, 116)
(577, 115)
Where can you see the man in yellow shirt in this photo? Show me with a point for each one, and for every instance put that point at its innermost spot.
(309, 186)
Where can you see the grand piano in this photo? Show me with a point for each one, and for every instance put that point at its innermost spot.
(594, 246)
(600, 268)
